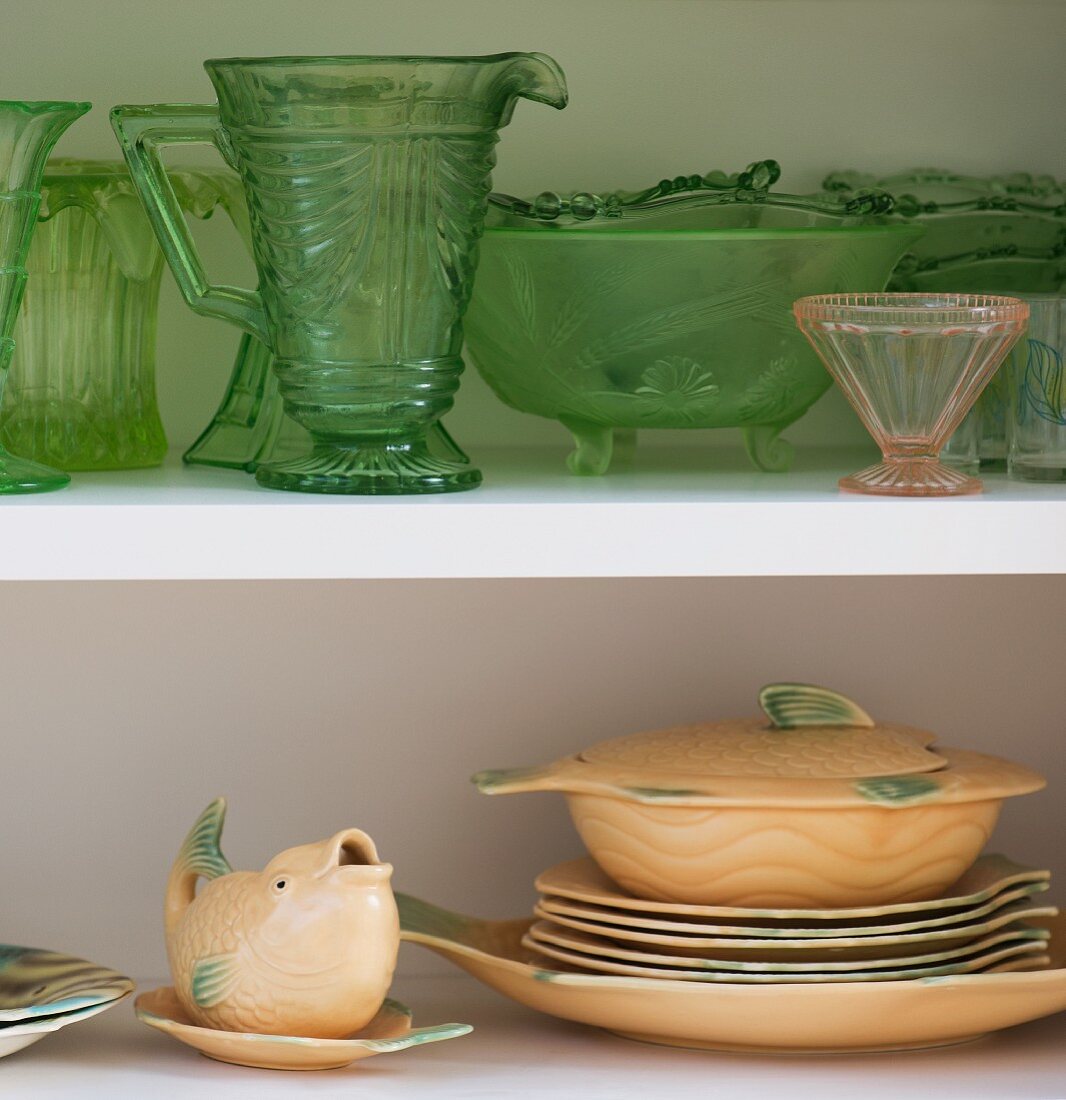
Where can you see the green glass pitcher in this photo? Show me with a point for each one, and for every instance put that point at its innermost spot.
(367, 180)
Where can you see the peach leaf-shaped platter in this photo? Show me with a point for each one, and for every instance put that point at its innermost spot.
(781, 1018)
(389, 1031)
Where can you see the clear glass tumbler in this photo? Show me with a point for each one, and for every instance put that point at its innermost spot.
(1038, 393)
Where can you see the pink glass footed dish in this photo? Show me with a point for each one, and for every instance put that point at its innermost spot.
(911, 365)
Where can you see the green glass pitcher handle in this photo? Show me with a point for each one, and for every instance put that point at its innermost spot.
(142, 131)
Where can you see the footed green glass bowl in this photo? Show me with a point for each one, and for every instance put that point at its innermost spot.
(663, 310)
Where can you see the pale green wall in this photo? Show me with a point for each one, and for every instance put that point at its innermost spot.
(658, 87)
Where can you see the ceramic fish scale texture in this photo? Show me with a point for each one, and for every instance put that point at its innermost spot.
(747, 747)
(307, 946)
(802, 741)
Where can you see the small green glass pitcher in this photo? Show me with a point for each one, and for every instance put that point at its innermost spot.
(367, 180)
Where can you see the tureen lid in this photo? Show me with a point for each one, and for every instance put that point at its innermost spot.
(811, 733)
(813, 747)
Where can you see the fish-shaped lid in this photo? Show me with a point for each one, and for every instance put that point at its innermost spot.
(813, 748)
(808, 733)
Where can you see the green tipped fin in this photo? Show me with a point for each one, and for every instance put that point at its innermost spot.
(201, 854)
(213, 979)
(792, 706)
(895, 790)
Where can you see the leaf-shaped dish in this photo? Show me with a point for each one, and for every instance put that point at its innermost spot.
(849, 1017)
(35, 982)
(389, 1031)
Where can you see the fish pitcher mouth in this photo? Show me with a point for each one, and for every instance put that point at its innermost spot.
(353, 853)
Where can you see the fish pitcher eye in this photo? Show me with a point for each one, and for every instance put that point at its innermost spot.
(279, 885)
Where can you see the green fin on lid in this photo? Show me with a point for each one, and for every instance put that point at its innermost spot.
(792, 706)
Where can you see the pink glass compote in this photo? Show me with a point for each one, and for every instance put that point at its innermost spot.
(912, 365)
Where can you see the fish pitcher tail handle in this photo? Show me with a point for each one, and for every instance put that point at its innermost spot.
(200, 857)
(142, 132)
(532, 76)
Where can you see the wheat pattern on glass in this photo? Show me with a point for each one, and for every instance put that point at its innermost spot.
(522, 294)
(671, 321)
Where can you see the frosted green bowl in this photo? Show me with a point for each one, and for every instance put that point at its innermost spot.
(674, 316)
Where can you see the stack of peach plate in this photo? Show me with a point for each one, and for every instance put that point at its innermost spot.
(808, 879)
(980, 925)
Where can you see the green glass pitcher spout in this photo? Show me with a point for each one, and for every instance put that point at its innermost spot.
(401, 95)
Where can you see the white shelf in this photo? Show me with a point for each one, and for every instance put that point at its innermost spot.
(681, 513)
(516, 1053)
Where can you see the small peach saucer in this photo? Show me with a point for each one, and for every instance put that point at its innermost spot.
(390, 1030)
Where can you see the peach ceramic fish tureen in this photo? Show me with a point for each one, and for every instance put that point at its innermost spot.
(814, 805)
(305, 947)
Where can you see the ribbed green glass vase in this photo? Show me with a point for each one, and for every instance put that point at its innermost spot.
(81, 393)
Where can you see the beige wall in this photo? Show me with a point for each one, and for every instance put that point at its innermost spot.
(318, 705)
(658, 87)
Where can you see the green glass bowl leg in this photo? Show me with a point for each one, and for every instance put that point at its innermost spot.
(593, 447)
(767, 451)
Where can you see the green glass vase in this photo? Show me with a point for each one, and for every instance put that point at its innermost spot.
(367, 180)
(28, 132)
(81, 391)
